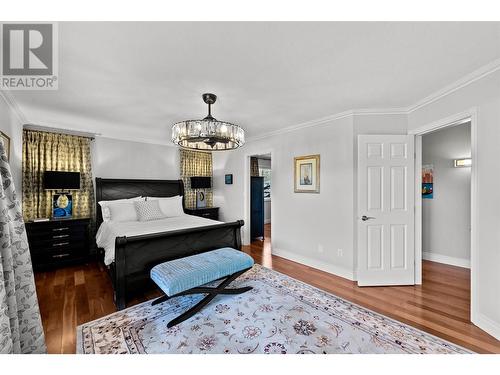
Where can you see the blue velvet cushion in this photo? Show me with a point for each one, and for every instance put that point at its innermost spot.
(185, 273)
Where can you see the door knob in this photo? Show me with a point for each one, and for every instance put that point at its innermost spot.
(364, 218)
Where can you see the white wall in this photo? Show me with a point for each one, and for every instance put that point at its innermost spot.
(267, 211)
(484, 95)
(308, 228)
(446, 217)
(11, 125)
(114, 158)
(266, 163)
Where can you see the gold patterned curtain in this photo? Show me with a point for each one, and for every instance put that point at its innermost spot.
(254, 167)
(44, 151)
(195, 163)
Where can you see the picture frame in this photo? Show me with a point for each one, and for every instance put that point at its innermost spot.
(201, 201)
(62, 206)
(6, 142)
(228, 178)
(428, 181)
(307, 174)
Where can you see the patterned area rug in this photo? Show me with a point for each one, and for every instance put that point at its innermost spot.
(280, 315)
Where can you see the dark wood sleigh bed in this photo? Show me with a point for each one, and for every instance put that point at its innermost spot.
(136, 255)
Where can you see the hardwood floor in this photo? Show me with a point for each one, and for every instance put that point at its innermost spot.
(441, 305)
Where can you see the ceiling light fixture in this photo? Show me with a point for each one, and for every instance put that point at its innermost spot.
(208, 134)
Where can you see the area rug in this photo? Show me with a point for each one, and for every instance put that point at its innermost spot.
(280, 315)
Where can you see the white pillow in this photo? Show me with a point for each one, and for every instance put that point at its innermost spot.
(148, 210)
(106, 215)
(171, 206)
(122, 211)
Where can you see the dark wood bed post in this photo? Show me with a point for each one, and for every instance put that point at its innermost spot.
(120, 273)
(237, 235)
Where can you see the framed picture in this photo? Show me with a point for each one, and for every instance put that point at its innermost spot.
(62, 205)
(229, 179)
(6, 142)
(201, 201)
(428, 181)
(306, 174)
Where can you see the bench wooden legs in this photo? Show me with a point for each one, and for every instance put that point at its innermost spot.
(211, 293)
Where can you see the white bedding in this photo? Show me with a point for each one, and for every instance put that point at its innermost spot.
(108, 231)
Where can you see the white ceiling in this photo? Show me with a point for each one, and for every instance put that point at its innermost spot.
(134, 80)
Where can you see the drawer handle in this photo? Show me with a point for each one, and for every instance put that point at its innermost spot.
(60, 255)
(59, 229)
(60, 244)
(207, 214)
(61, 236)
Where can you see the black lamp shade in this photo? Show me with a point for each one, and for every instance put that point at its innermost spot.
(201, 182)
(55, 180)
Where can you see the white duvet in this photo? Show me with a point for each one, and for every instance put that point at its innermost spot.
(109, 230)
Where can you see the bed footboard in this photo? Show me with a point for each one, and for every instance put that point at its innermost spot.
(135, 256)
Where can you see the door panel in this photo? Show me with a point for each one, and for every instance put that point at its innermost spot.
(375, 196)
(375, 245)
(386, 202)
(257, 207)
(398, 188)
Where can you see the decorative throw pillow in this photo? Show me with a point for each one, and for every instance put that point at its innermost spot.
(171, 207)
(122, 211)
(106, 213)
(148, 210)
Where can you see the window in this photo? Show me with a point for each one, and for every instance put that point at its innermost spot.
(266, 173)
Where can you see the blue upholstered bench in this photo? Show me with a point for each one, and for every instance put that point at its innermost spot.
(185, 276)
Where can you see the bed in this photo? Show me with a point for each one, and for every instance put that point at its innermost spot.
(143, 246)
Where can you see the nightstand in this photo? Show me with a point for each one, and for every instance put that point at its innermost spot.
(58, 242)
(207, 212)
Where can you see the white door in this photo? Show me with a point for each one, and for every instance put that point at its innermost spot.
(386, 210)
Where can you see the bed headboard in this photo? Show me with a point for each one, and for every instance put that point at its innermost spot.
(110, 188)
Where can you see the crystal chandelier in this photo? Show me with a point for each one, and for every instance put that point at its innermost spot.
(208, 134)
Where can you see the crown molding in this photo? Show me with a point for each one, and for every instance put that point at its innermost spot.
(148, 141)
(61, 128)
(380, 111)
(466, 80)
(302, 125)
(12, 104)
(52, 129)
(338, 116)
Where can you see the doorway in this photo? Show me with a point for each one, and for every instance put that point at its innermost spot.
(446, 195)
(260, 197)
(466, 170)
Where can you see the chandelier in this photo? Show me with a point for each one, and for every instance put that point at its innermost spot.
(208, 134)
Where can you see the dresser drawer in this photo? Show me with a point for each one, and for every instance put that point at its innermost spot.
(50, 236)
(58, 241)
(50, 227)
(58, 255)
(208, 213)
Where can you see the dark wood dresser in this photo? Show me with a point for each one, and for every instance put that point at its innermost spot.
(58, 242)
(207, 212)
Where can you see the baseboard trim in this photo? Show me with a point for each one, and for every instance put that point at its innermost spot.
(318, 264)
(459, 262)
(488, 325)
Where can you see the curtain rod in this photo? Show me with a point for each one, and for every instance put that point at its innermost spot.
(50, 129)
